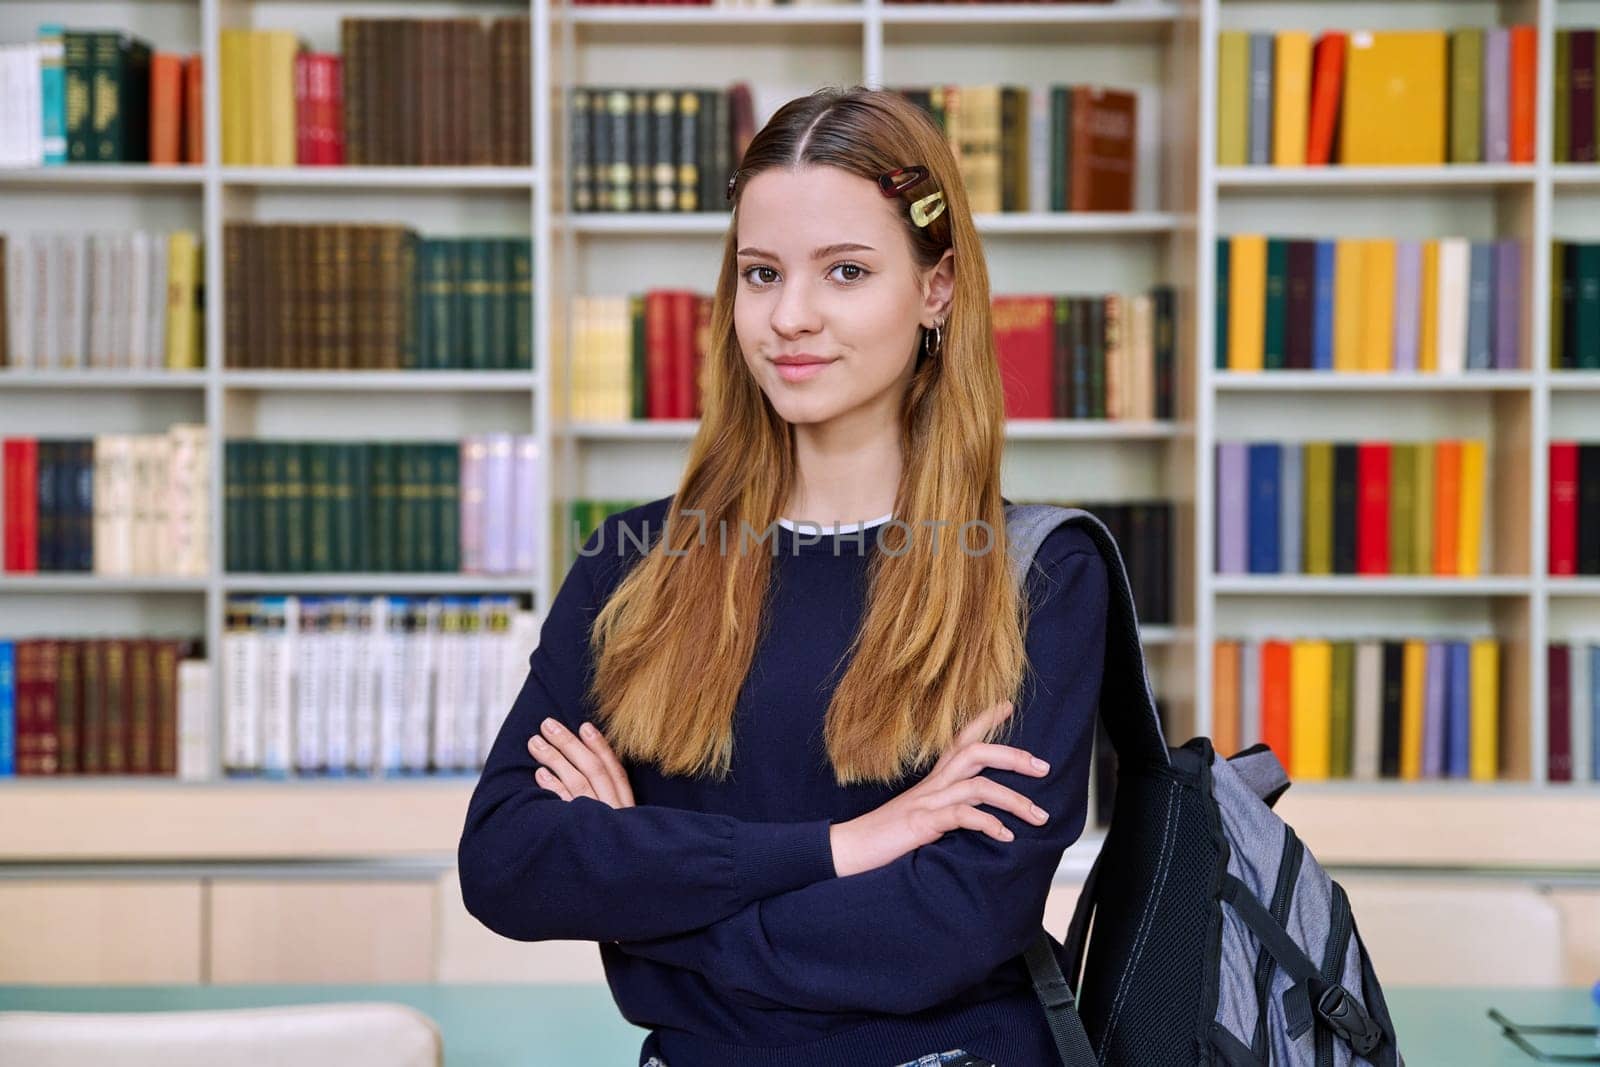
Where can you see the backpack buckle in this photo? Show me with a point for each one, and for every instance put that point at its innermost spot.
(1343, 1013)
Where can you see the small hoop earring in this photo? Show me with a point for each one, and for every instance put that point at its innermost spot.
(934, 347)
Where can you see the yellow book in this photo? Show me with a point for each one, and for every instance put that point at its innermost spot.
(234, 48)
(1484, 754)
(1318, 534)
(583, 325)
(278, 107)
(1393, 111)
(1310, 713)
(183, 274)
(1377, 346)
(1233, 98)
(1428, 309)
(1247, 301)
(1422, 546)
(1291, 97)
(260, 77)
(1414, 668)
(1469, 529)
(1349, 262)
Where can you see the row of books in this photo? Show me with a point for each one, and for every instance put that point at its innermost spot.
(1350, 507)
(638, 356)
(98, 97)
(93, 705)
(114, 504)
(322, 507)
(1376, 98)
(1574, 507)
(1375, 707)
(402, 92)
(1572, 731)
(1576, 126)
(374, 297)
(1142, 528)
(131, 299)
(655, 149)
(1369, 305)
(380, 685)
(1575, 319)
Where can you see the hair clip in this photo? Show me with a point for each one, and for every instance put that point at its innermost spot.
(897, 181)
(928, 208)
(733, 180)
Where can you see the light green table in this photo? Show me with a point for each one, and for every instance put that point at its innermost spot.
(578, 1025)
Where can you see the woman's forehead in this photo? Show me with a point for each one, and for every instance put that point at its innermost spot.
(795, 213)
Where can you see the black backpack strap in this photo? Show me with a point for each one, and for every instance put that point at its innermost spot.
(1127, 700)
(1060, 1008)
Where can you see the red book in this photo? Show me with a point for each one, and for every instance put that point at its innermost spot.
(1327, 83)
(1523, 79)
(1372, 507)
(24, 750)
(682, 359)
(658, 354)
(304, 119)
(21, 505)
(1559, 709)
(328, 78)
(702, 345)
(1024, 336)
(194, 125)
(1563, 507)
(166, 108)
(1275, 689)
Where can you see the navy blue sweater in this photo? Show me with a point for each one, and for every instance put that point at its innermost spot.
(722, 924)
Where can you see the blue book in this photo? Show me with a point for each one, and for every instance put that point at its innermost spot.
(1233, 508)
(53, 91)
(1480, 297)
(1220, 299)
(8, 709)
(1290, 498)
(1433, 710)
(1458, 717)
(1265, 464)
(1322, 309)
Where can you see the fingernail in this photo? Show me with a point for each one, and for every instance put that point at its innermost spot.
(1040, 765)
(587, 731)
(553, 726)
(539, 742)
(1007, 834)
(1039, 813)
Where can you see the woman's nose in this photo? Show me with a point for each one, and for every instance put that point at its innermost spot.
(795, 311)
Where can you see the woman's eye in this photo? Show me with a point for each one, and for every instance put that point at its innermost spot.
(749, 271)
(860, 272)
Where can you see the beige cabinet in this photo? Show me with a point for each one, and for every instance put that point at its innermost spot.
(95, 931)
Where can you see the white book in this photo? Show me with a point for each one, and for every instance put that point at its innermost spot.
(151, 463)
(73, 279)
(19, 297)
(113, 504)
(44, 334)
(1249, 693)
(1366, 754)
(527, 486)
(1455, 259)
(1039, 149)
(194, 720)
(474, 451)
(138, 299)
(280, 616)
(100, 300)
(446, 709)
(469, 697)
(498, 481)
(390, 617)
(241, 688)
(310, 685)
(366, 648)
(121, 298)
(339, 662)
(187, 530)
(155, 303)
(1582, 714)
(421, 632)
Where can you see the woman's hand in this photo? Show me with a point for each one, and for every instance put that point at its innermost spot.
(945, 800)
(579, 765)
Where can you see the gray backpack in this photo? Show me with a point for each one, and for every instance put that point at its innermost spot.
(1217, 938)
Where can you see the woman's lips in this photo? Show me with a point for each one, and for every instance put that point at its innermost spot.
(799, 372)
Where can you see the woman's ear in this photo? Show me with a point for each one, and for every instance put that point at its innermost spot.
(938, 288)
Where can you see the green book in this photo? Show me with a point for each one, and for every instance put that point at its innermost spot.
(294, 501)
(438, 300)
(410, 338)
(360, 548)
(447, 506)
(1422, 492)
(1272, 350)
(1466, 95)
(1341, 709)
(341, 485)
(407, 487)
(522, 303)
(233, 504)
(1586, 345)
(1402, 508)
(1060, 112)
(319, 507)
(1317, 537)
(383, 510)
(270, 480)
(638, 364)
(1097, 357)
(81, 146)
(476, 302)
(1220, 302)
(1558, 264)
(1563, 80)
(423, 309)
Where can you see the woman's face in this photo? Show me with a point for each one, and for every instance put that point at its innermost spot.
(825, 272)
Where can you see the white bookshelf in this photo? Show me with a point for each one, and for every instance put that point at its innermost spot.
(1183, 203)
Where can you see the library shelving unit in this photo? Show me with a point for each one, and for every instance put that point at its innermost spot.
(1183, 203)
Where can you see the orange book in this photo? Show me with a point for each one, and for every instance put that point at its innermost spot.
(1428, 327)
(1394, 98)
(1523, 78)
(194, 126)
(1446, 506)
(1276, 691)
(166, 107)
(1327, 82)
(1225, 697)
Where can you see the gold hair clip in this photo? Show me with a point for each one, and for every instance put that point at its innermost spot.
(928, 208)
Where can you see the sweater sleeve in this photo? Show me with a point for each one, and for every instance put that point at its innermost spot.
(534, 867)
(938, 920)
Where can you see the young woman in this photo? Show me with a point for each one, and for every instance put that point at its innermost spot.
(756, 754)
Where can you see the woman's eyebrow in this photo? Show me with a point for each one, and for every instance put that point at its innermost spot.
(821, 253)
